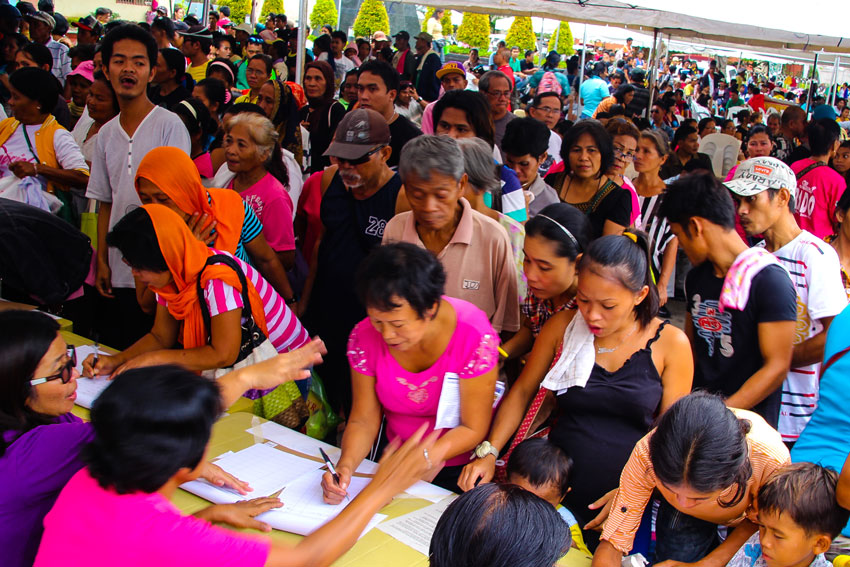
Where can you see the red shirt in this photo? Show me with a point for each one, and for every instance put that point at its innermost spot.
(506, 69)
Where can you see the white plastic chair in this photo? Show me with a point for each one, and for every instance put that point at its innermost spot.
(733, 112)
(723, 151)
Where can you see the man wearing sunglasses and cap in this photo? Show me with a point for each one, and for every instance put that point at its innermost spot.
(765, 193)
(41, 25)
(89, 30)
(359, 193)
(197, 42)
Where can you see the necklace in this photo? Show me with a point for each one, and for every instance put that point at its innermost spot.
(604, 350)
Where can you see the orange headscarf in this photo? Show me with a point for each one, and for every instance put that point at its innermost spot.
(186, 256)
(174, 172)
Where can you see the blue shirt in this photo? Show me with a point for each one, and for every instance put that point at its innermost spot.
(592, 92)
(826, 438)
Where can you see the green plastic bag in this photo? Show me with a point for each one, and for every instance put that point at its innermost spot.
(323, 419)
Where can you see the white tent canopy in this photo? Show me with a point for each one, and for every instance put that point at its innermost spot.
(613, 12)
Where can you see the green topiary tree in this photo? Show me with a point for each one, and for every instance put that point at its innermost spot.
(446, 20)
(239, 9)
(474, 30)
(521, 34)
(271, 7)
(324, 12)
(371, 17)
(564, 36)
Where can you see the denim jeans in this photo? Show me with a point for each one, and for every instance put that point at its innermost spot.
(681, 537)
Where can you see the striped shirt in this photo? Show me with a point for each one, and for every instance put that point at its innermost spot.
(657, 228)
(638, 481)
(285, 330)
(61, 61)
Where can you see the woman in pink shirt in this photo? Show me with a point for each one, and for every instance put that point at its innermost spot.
(253, 154)
(151, 429)
(414, 345)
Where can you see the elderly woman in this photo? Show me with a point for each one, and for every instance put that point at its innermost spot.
(164, 254)
(322, 114)
(41, 439)
(416, 345)
(33, 144)
(258, 70)
(279, 106)
(473, 248)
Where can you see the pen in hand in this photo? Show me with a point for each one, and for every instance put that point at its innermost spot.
(331, 469)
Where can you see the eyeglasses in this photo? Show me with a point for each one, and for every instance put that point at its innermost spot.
(359, 161)
(498, 94)
(623, 155)
(547, 110)
(64, 373)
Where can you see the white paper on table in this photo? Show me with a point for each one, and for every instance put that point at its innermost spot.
(427, 491)
(448, 408)
(296, 441)
(416, 528)
(304, 510)
(263, 467)
(88, 389)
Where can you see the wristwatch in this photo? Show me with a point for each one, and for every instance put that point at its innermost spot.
(484, 449)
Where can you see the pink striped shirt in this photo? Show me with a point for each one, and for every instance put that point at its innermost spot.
(285, 330)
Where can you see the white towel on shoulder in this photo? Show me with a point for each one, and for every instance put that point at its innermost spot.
(578, 355)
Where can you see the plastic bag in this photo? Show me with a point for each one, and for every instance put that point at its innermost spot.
(323, 419)
(30, 191)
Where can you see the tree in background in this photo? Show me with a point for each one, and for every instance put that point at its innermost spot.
(446, 21)
(372, 17)
(324, 12)
(474, 30)
(521, 34)
(238, 9)
(271, 7)
(564, 36)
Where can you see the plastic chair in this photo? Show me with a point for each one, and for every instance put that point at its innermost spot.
(733, 112)
(723, 151)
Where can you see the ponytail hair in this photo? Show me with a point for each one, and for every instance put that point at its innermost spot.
(565, 226)
(627, 256)
(700, 443)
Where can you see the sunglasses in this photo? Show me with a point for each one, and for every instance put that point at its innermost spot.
(359, 161)
(253, 39)
(64, 373)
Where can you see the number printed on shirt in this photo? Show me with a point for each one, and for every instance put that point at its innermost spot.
(376, 227)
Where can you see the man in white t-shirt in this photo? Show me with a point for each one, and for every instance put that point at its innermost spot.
(129, 56)
(765, 191)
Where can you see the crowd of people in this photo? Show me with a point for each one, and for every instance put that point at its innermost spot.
(507, 236)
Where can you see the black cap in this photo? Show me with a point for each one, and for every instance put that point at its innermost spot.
(403, 34)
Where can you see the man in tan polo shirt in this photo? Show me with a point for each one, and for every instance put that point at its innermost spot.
(473, 248)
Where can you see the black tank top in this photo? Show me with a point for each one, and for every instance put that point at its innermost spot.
(599, 425)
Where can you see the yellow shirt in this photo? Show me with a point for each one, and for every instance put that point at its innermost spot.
(198, 73)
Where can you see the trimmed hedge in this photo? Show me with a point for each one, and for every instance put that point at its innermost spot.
(521, 34)
(323, 13)
(474, 30)
(372, 17)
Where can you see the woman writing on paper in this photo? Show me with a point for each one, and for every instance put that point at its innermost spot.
(40, 439)
(164, 254)
(401, 355)
(613, 366)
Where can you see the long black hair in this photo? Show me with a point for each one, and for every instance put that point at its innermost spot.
(627, 256)
(700, 443)
(25, 337)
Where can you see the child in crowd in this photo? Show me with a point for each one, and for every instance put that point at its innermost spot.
(543, 469)
(798, 516)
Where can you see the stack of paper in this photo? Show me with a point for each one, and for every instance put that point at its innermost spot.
(416, 528)
(88, 389)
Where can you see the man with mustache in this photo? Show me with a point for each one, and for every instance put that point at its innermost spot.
(129, 59)
(359, 194)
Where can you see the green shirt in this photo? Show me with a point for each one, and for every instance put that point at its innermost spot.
(514, 63)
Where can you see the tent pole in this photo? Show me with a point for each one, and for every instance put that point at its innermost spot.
(834, 86)
(542, 24)
(302, 41)
(811, 88)
(653, 52)
(338, 13)
(579, 105)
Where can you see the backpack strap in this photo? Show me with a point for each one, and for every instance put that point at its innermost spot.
(601, 194)
(809, 168)
(832, 360)
(246, 302)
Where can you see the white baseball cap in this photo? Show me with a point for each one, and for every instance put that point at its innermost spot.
(760, 174)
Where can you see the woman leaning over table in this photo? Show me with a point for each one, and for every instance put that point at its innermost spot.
(164, 254)
(40, 439)
(413, 337)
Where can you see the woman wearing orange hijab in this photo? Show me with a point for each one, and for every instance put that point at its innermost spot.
(167, 176)
(164, 254)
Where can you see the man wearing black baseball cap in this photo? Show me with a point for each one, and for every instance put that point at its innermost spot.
(404, 61)
(197, 41)
(89, 30)
(358, 199)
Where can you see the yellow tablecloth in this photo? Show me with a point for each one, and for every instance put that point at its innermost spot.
(64, 324)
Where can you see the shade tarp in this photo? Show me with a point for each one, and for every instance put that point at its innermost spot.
(613, 12)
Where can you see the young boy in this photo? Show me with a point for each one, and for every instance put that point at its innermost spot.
(544, 470)
(742, 334)
(525, 146)
(798, 516)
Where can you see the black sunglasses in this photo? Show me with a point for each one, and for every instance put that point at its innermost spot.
(64, 373)
(362, 159)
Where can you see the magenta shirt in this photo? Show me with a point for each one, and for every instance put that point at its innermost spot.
(411, 398)
(91, 526)
(273, 206)
(818, 192)
(34, 468)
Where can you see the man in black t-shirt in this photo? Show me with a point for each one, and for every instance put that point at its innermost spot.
(742, 352)
(377, 86)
